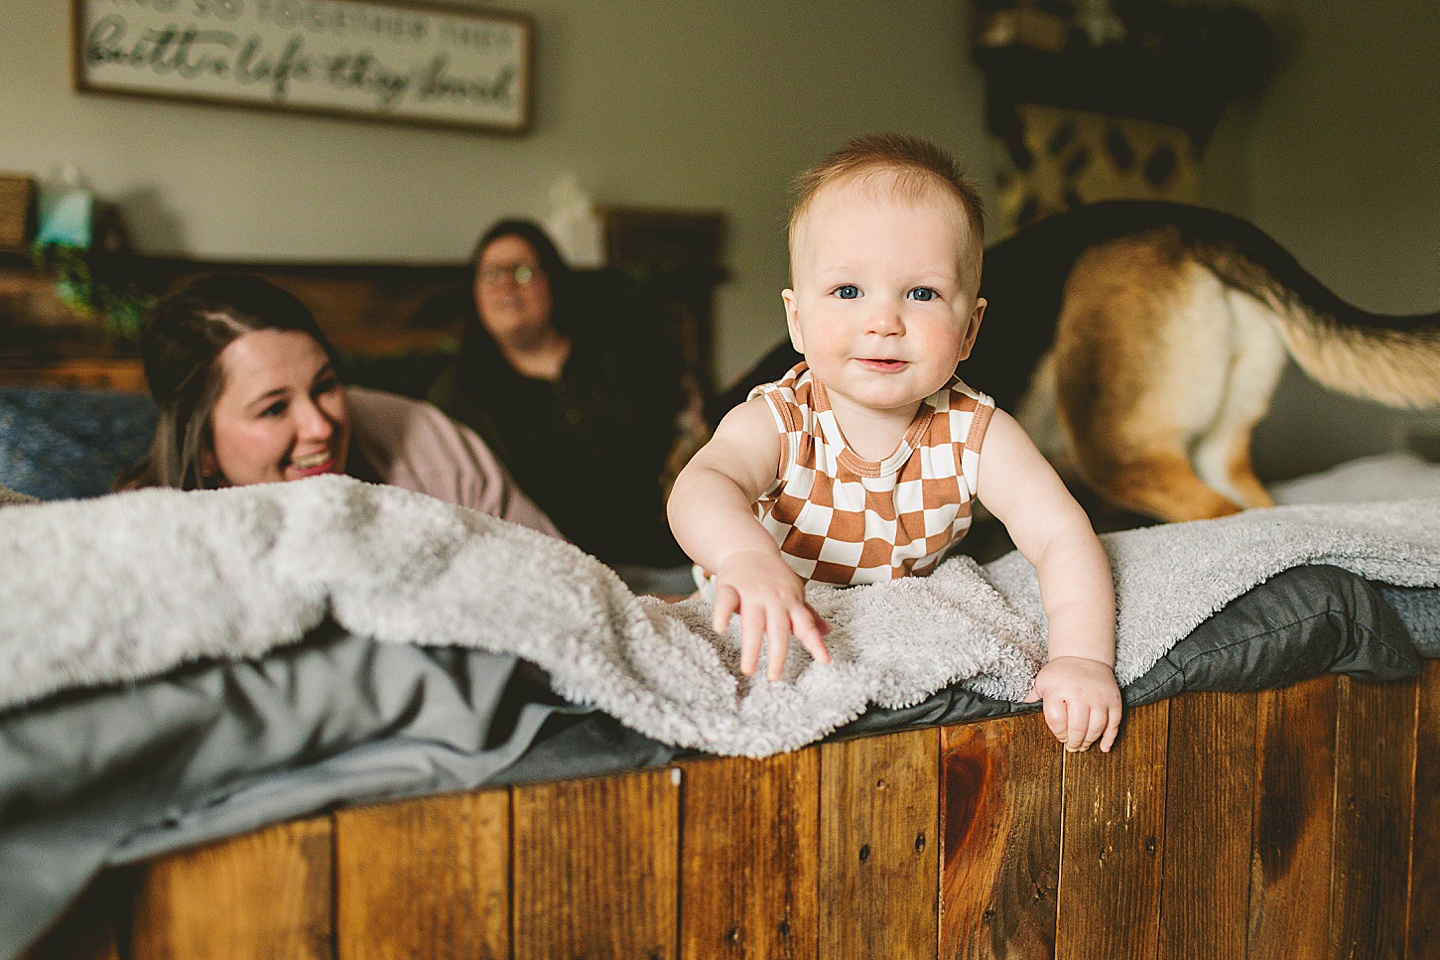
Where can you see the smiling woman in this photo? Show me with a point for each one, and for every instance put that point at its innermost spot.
(247, 393)
(281, 413)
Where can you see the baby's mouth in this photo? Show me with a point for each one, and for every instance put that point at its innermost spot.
(881, 363)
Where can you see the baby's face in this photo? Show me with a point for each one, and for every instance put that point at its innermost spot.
(883, 305)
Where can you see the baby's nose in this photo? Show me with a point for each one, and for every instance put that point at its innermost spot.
(885, 320)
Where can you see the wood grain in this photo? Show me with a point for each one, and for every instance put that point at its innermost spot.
(836, 852)
(263, 896)
(879, 847)
(125, 374)
(1111, 843)
(750, 857)
(1293, 821)
(1000, 805)
(1424, 913)
(424, 878)
(1374, 806)
(1209, 797)
(596, 868)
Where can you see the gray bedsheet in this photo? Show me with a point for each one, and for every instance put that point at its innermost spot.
(213, 749)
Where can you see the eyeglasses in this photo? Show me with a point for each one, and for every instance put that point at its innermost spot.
(518, 272)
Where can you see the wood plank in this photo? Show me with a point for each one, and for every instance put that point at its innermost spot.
(1374, 806)
(1111, 843)
(596, 868)
(1424, 914)
(81, 373)
(424, 878)
(1293, 818)
(879, 846)
(1000, 806)
(750, 857)
(264, 895)
(1209, 797)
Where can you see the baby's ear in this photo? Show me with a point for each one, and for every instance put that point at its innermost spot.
(976, 315)
(792, 319)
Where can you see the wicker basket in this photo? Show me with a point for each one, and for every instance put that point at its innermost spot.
(17, 210)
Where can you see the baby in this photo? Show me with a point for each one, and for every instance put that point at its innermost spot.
(861, 464)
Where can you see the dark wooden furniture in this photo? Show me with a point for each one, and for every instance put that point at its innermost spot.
(367, 309)
(1174, 63)
(1290, 824)
(676, 256)
(371, 311)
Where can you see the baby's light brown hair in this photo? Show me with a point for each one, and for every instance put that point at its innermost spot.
(915, 169)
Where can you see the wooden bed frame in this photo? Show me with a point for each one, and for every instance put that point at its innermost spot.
(1296, 823)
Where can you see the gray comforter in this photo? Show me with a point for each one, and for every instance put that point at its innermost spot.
(215, 748)
(359, 643)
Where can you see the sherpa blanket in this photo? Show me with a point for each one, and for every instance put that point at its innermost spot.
(124, 587)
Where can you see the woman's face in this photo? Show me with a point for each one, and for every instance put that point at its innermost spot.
(512, 291)
(281, 414)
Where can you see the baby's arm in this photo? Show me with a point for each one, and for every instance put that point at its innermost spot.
(1077, 683)
(710, 510)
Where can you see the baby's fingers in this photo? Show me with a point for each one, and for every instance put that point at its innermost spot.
(778, 629)
(752, 637)
(1077, 727)
(727, 602)
(810, 630)
(1112, 727)
(1057, 718)
(1086, 726)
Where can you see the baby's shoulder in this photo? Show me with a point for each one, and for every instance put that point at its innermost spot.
(957, 394)
(962, 418)
(795, 387)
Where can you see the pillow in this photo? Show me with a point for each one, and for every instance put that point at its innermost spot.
(58, 444)
(1398, 475)
(1419, 608)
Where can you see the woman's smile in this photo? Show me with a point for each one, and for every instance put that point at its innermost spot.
(314, 464)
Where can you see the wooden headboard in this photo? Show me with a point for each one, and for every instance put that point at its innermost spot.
(368, 309)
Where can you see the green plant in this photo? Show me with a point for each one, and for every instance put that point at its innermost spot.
(96, 286)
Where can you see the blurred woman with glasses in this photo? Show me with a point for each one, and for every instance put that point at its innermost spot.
(568, 379)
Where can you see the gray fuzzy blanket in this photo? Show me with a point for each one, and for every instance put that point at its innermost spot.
(128, 586)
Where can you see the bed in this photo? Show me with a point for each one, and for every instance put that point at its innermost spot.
(1288, 823)
(341, 794)
(1291, 823)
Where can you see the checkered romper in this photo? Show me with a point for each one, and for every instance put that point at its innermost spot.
(843, 520)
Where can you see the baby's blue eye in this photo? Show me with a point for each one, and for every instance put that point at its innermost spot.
(923, 294)
(847, 291)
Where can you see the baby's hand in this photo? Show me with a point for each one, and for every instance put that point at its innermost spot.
(770, 598)
(1082, 701)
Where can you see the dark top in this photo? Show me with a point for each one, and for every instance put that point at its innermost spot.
(591, 447)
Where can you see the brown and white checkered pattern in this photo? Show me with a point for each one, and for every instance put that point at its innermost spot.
(843, 520)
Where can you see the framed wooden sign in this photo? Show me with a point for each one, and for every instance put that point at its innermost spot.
(395, 61)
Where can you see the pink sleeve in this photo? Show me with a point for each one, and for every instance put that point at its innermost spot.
(412, 445)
